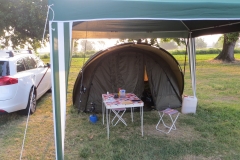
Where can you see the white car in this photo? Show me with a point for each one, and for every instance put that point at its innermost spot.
(24, 78)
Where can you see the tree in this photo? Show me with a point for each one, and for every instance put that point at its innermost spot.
(199, 43)
(219, 43)
(166, 43)
(179, 43)
(169, 45)
(86, 45)
(75, 46)
(227, 53)
(22, 23)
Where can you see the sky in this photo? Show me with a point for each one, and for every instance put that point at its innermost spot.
(210, 39)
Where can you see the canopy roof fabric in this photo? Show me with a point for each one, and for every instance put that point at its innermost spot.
(148, 18)
(140, 28)
(69, 19)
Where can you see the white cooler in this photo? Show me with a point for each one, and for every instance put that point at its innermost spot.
(189, 104)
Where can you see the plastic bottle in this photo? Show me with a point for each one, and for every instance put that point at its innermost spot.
(119, 92)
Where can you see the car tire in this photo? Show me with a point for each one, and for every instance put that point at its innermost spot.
(32, 103)
(50, 90)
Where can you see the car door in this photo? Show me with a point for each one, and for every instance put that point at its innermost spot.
(25, 82)
(42, 74)
(32, 69)
(46, 79)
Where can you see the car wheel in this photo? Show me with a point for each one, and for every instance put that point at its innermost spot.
(32, 103)
(50, 90)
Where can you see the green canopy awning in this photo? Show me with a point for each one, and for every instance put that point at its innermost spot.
(128, 19)
(148, 18)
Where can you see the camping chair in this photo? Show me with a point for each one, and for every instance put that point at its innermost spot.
(118, 116)
(173, 114)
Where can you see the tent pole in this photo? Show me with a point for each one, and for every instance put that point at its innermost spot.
(55, 89)
(60, 39)
(192, 63)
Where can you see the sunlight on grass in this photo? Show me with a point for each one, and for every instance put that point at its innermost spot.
(211, 133)
(213, 128)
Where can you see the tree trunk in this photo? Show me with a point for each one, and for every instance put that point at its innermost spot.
(227, 53)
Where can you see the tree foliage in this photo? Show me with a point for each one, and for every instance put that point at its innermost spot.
(22, 23)
(231, 37)
(166, 43)
(199, 43)
(219, 43)
(86, 45)
(179, 41)
(169, 45)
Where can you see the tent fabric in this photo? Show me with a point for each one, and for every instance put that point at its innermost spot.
(60, 63)
(179, 18)
(154, 28)
(123, 66)
(148, 18)
(165, 9)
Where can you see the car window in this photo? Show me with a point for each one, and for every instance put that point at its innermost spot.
(20, 65)
(4, 68)
(39, 62)
(30, 63)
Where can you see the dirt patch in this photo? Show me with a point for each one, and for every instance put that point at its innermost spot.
(193, 157)
(213, 61)
(225, 98)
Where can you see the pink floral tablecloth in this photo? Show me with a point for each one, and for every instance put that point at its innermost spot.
(129, 99)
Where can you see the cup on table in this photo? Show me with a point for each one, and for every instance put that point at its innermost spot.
(122, 93)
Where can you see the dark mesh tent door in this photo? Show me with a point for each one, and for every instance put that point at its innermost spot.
(123, 69)
(163, 84)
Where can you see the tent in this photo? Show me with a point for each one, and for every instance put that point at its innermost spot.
(128, 19)
(135, 68)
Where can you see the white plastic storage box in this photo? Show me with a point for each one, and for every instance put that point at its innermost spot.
(189, 104)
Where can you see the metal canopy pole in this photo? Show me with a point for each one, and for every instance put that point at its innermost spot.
(192, 62)
(60, 40)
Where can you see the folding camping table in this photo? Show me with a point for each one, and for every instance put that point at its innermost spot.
(129, 101)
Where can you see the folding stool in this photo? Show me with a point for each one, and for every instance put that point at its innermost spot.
(173, 114)
(117, 111)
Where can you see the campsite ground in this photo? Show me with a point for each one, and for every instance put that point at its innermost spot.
(212, 133)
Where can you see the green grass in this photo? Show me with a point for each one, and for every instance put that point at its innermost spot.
(212, 133)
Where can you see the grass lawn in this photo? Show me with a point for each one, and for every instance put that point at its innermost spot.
(212, 133)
